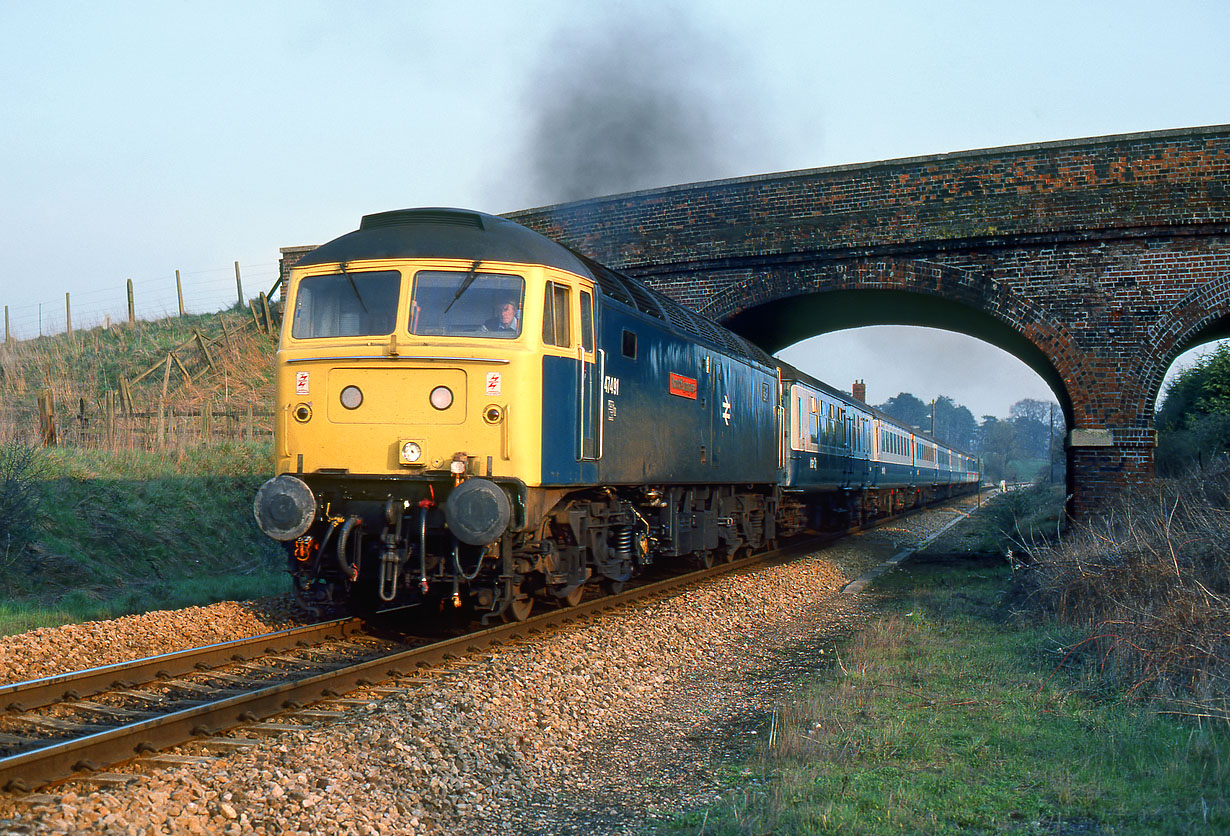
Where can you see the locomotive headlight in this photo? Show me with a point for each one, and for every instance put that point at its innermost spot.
(441, 397)
(352, 397)
(411, 452)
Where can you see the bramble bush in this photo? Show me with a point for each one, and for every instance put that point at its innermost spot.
(1148, 583)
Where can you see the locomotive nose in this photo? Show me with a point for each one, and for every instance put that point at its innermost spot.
(284, 507)
(477, 511)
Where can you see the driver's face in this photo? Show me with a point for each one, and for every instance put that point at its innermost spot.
(507, 313)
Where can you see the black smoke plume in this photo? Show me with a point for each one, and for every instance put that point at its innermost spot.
(644, 101)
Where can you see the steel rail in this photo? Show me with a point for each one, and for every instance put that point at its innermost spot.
(62, 760)
(35, 693)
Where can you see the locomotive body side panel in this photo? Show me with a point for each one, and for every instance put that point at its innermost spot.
(674, 411)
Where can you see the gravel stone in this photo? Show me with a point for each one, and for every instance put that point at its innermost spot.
(601, 727)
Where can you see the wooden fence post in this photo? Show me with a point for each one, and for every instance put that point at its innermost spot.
(268, 314)
(238, 284)
(207, 425)
(8, 337)
(125, 396)
(68, 317)
(204, 349)
(109, 419)
(132, 310)
(47, 418)
(179, 290)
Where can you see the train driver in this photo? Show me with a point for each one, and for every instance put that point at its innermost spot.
(505, 318)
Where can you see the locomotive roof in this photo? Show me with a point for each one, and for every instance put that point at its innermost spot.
(445, 233)
(469, 235)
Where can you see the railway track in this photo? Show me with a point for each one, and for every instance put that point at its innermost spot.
(72, 725)
(79, 724)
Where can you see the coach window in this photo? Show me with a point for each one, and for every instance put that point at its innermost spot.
(587, 321)
(556, 320)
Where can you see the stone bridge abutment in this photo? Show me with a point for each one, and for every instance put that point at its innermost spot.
(1095, 261)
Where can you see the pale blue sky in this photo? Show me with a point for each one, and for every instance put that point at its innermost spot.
(139, 138)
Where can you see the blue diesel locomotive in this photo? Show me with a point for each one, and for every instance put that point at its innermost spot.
(469, 411)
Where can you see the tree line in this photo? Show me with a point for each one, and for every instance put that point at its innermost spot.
(1193, 422)
(1025, 446)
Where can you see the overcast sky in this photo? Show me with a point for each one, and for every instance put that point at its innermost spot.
(142, 138)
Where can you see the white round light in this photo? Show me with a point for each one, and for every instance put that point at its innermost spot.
(441, 397)
(411, 451)
(352, 398)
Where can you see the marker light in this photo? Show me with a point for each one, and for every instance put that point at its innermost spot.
(352, 397)
(441, 397)
(411, 452)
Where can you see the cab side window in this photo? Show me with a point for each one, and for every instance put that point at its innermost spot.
(587, 321)
(556, 319)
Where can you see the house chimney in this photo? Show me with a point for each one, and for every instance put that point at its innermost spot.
(859, 390)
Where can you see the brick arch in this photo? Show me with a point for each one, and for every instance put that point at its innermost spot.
(1201, 316)
(802, 300)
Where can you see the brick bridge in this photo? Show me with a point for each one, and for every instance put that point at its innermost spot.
(1095, 261)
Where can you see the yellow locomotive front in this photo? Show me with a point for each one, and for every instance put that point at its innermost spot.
(409, 430)
(405, 369)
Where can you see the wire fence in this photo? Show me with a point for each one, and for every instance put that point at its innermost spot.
(199, 291)
(108, 426)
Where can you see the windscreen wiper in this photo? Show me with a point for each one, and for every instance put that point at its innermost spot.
(465, 285)
(353, 286)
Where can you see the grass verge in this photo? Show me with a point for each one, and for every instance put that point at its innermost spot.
(132, 531)
(945, 717)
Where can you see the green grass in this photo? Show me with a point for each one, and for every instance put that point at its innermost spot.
(1020, 520)
(131, 531)
(944, 716)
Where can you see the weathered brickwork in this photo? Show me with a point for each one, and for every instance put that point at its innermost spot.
(1097, 261)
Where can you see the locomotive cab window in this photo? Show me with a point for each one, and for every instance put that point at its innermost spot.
(556, 319)
(457, 303)
(346, 304)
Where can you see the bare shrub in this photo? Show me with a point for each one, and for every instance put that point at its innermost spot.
(1150, 582)
(21, 468)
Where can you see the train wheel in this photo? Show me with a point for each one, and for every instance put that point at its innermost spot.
(611, 587)
(520, 606)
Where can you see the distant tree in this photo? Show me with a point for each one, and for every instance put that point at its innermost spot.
(997, 446)
(954, 423)
(908, 409)
(1032, 421)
